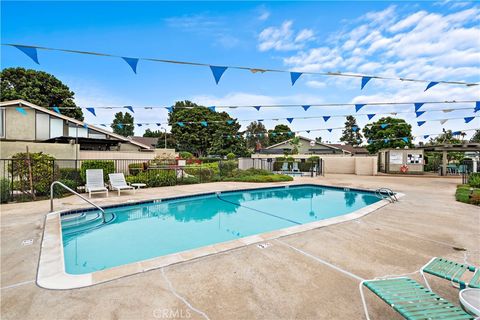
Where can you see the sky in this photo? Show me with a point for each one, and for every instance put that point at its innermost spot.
(424, 40)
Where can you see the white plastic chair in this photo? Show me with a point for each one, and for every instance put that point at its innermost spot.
(117, 182)
(95, 183)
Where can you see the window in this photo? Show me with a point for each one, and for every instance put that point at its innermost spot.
(42, 126)
(56, 127)
(77, 131)
(2, 122)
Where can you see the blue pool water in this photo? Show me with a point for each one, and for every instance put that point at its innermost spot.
(142, 231)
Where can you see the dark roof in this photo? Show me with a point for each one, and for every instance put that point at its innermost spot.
(149, 141)
(81, 140)
(350, 148)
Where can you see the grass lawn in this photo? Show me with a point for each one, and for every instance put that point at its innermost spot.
(464, 194)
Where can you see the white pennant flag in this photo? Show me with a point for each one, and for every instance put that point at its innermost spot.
(447, 110)
(443, 121)
(393, 113)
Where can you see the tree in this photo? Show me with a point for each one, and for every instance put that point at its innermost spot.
(351, 134)
(256, 135)
(123, 124)
(280, 133)
(217, 135)
(476, 137)
(446, 138)
(39, 88)
(171, 143)
(388, 133)
(295, 143)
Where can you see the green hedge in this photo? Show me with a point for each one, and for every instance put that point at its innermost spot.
(209, 160)
(108, 166)
(135, 168)
(44, 172)
(474, 180)
(202, 173)
(464, 194)
(155, 178)
(4, 190)
(261, 178)
(226, 168)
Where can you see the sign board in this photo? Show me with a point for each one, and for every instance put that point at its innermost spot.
(396, 157)
(414, 158)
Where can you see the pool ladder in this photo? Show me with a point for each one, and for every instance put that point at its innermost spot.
(386, 193)
(75, 193)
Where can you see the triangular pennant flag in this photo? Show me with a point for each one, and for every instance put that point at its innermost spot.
(218, 72)
(129, 108)
(132, 62)
(325, 118)
(354, 128)
(358, 107)
(257, 107)
(230, 121)
(457, 133)
(369, 141)
(85, 126)
(307, 131)
(170, 109)
(273, 134)
(386, 140)
(103, 124)
(260, 135)
(419, 113)
(384, 125)
(181, 124)
(159, 124)
(31, 52)
(290, 120)
(405, 139)
(431, 84)
(370, 116)
(294, 76)
(418, 105)
(420, 123)
(305, 107)
(447, 110)
(92, 110)
(468, 119)
(477, 106)
(426, 136)
(21, 110)
(365, 81)
(139, 124)
(289, 133)
(204, 123)
(260, 120)
(120, 125)
(56, 109)
(443, 121)
(329, 130)
(211, 108)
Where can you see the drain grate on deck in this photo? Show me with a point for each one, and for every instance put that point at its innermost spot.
(27, 242)
(264, 245)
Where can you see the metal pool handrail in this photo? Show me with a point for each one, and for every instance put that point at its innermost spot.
(75, 193)
(386, 193)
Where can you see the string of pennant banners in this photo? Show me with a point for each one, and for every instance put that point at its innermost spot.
(218, 71)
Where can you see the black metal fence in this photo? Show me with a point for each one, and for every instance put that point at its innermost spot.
(466, 169)
(305, 167)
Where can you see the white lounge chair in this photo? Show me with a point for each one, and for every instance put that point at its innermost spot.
(284, 167)
(117, 182)
(95, 182)
(295, 167)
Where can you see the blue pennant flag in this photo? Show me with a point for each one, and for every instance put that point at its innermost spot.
(230, 121)
(329, 130)
(426, 136)
(307, 131)
(358, 107)
(218, 72)
(420, 123)
(431, 84)
(158, 124)
(273, 134)
(457, 133)
(365, 81)
(103, 124)
(120, 125)
(31, 52)
(384, 125)
(204, 123)
(405, 139)
(386, 140)
(85, 126)
(21, 111)
(325, 118)
(354, 128)
(418, 105)
(56, 109)
(290, 120)
(170, 109)
(181, 124)
(257, 107)
(290, 133)
(129, 108)
(139, 124)
(419, 113)
(468, 119)
(260, 120)
(212, 108)
(305, 107)
(132, 62)
(370, 116)
(260, 135)
(477, 106)
(294, 76)
(92, 110)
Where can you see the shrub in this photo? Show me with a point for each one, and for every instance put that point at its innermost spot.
(189, 180)
(4, 190)
(474, 180)
(261, 178)
(231, 156)
(154, 178)
(185, 155)
(209, 160)
(250, 172)
(226, 168)
(70, 174)
(59, 191)
(202, 173)
(135, 168)
(44, 172)
(108, 166)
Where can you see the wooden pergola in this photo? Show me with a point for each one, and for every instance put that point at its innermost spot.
(445, 148)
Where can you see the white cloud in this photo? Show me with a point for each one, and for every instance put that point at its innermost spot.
(284, 38)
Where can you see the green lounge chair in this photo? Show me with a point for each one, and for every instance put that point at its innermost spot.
(451, 271)
(412, 300)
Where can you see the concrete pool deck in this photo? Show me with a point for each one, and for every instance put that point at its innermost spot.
(285, 280)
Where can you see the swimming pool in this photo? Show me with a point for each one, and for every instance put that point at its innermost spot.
(137, 232)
